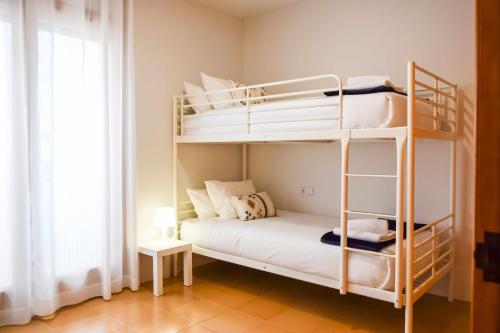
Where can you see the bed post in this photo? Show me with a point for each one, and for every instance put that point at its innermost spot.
(244, 161)
(410, 197)
(174, 163)
(174, 177)
(345, 141)
(400, 197)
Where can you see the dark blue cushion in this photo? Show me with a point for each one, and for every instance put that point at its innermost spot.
(332, 239)
(363, 91)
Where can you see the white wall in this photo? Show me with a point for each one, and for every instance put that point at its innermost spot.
(360, 37)
(174, 41)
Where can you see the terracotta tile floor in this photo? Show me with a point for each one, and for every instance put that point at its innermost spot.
(232, 299)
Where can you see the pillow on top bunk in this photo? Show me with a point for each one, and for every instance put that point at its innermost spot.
(369, 84)
(201, 202)
(254, 92)
(220, 194)
(211, 83)
(253, 206)
(371, 81)
(194, 89)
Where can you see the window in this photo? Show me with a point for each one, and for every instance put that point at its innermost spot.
(71, 151)
(66, 139)
(69, 142)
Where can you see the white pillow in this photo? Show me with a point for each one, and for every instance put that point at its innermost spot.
(194, 89)
(201, 202)
(211, 83)
(220, 194)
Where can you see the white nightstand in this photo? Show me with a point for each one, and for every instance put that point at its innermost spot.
(158, 248)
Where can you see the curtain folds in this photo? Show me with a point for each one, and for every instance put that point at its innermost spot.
(67, 154)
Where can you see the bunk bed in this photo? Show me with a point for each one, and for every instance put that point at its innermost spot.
(401, 273)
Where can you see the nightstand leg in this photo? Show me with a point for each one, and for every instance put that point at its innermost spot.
(167, 263)
(175, 264)
(158, 276)
(188, 268)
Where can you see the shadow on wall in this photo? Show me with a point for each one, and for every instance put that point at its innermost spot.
(466, 167)
(465, 159)
(464, 202)
(467, 121)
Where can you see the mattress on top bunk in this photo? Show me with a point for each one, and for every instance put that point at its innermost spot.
(292, 240)
(385, 109)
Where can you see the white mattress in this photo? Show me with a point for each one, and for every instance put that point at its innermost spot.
(360, 111)
(292, 240)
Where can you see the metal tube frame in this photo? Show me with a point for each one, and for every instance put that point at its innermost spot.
(405, 293)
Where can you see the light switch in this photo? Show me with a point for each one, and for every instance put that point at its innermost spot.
(306, 190)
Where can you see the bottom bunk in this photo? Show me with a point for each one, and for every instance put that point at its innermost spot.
(289, 244)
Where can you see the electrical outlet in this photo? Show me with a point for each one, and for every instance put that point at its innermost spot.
(306, 190)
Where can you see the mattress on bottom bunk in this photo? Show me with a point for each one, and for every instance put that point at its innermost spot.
(376, 110)
(292, 240)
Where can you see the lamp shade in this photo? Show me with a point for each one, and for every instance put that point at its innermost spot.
(164, 217)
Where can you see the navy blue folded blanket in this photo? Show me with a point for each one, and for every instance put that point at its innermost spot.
(363, 91)
(332, 239)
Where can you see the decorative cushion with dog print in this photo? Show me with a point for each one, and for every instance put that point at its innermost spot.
(253, 206)
(254, 92)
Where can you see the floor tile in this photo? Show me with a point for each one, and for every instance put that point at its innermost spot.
(230, 298)
(131, 314)
(162, 322)
(196, 329)
(262, 307)
(287, 295)
(266, 327)
(94, 324)
(69, 314)
(199, 287)
(227, 296)
(199, 310)
(172, 299)
(298, 320)
(231, 321)
(125, 330)
(339, 327)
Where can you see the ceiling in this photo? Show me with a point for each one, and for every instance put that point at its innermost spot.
(247, 8)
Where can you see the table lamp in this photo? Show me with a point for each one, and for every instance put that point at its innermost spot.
(164, 218)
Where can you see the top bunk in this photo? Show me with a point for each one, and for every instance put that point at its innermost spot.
(366, 108)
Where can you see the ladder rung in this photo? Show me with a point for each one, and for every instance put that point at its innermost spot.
(370, 213)
(371, 176)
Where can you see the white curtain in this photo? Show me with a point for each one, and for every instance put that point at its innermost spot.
(67, 154)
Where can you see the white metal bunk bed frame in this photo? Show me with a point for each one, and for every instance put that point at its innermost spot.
(407, 291)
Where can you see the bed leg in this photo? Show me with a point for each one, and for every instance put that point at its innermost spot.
(400, 197)
(409, 318)
(344, 265)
